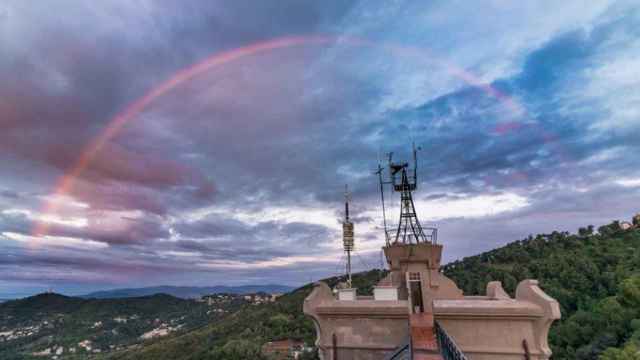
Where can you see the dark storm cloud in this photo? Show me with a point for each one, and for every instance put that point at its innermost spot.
(61, 264)
(15, 222)
(132, 231)
(254, 135)
(213, 226)
(55, 129)
(235, 249)
(65, 77)
(221, 237)
(8, 194)
(71, 74)
(361, 219)
(122, 196)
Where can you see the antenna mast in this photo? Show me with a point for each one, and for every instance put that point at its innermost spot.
(409, 228)
(384, 212)
(347, 233)
(415, 163)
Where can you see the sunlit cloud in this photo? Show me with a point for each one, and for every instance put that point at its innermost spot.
(286, 214)
(629, 182)
(470, 206)
(77, 222)
(55, 241)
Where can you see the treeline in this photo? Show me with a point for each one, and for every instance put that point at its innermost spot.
(63, 321)
(241, 335)
(594, 277)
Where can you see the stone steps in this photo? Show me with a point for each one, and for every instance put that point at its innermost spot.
(418, 356)
(423, 337)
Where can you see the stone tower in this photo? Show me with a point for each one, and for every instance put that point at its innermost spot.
(418, 310)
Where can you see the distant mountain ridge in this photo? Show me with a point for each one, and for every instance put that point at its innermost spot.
(187, 292)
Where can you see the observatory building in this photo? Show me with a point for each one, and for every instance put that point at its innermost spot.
(416, 312)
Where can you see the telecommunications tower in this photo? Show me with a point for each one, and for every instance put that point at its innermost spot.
(347, 233)
(404, 180)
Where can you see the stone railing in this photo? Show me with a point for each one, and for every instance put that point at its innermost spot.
(495, 326)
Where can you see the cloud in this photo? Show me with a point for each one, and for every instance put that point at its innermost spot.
(115, 228)
(237, 176)
(221, 237)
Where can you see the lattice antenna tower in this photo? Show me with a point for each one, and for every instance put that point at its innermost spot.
(347, 233)
(404, 180)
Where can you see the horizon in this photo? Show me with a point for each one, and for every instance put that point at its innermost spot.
(15, 296)
(53, 291)
(209, 142)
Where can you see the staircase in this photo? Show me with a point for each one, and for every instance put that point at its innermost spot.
(423, 337)
(427, 341)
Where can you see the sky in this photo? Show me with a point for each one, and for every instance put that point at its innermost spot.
(208, 142)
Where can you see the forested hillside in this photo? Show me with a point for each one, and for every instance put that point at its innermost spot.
(241, 335)
(49, 325)
(594, 276)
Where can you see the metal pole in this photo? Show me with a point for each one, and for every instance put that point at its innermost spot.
(415, 165)
(384, 212)
(334, 340)
(349, 266)
(349, 246)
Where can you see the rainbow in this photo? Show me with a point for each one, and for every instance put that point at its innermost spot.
(66, 182)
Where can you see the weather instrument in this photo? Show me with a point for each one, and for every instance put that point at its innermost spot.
(404, 180)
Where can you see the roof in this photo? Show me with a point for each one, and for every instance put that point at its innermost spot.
(486, 307)
(285, 344)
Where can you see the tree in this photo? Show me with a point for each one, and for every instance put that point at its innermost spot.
(238, 350)
(630, 292)
(630, 352)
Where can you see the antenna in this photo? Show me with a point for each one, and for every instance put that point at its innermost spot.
(409, 228)
(384, 212)
(347, 233)
(415, 163)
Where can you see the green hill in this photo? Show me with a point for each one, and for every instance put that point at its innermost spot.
(51, 323)
(240, 335)
(594, 276)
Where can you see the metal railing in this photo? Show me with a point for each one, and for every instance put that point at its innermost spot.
(448, 347)
(402, 352)
(430, 233)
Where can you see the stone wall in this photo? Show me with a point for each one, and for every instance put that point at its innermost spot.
(498, 327)
(363, 329)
